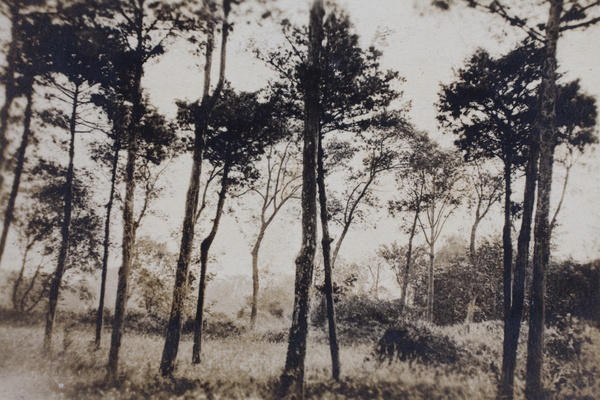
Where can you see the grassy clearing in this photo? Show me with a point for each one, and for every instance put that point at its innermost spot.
(247, 367)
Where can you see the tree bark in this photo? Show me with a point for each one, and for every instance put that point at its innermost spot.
(409, 251)
(9, 87)
(173, 334)
(109, 205)
(65, 231)
(430, 286)
(506, 238)
(327, 265)
(255, 277)
(513, 323)
(204, 250)
(292, 377)
(546, 126)
(20, 156)
(127, 251)
(129, 223)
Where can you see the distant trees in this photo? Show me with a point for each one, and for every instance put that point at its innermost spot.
(281, 184)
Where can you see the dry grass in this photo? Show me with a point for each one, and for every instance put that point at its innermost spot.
(243, 367)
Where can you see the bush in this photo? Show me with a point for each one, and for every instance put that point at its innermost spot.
(416, 341)
(360, 319)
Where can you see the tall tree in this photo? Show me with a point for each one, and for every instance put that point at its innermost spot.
(292, 378)
(577, 15)
(354, 93)
(138, 25)
(238, 135)
(201, 116)
(72, 56)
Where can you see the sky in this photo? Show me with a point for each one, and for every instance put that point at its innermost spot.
(426, 46)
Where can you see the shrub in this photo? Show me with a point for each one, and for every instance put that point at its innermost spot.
(416, 341)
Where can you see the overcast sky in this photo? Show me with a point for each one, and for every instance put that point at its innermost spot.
(426, 46)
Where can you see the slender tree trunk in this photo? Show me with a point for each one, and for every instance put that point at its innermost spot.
(109, 205)
(513, 323)
(507, 240)
(18, 306)
(127, 251)
(9, 86)
(326, 246)
(409, 251)
(10, 207)
(65, 232)
(292, 378)
(546, 126)
(171, 348)
(204, 250)
(129, 223)
(430, 287)
(255, 277)
(473, 239)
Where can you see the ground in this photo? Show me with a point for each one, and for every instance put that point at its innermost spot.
(244, 366)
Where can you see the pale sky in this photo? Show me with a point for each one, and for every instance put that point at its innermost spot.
(426, 46)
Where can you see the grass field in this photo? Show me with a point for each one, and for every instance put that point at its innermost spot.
(248, 366)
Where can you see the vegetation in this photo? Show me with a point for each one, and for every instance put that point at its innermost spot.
(451, 305)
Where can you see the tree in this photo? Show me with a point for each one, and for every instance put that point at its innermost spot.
(413, 202)
(201, 117)
(440, 175)
(12, 11)
(280, 186)
(490, 109)
(73, 57)
(137, 23)
(499, 122)
(239, 134)
(38, 226)
(354, 93)
(292, 378)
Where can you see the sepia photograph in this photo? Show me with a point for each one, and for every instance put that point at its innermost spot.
(299, 199)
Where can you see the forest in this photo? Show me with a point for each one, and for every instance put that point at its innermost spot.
(277, 199)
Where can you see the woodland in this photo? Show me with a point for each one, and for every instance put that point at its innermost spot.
(104, 293)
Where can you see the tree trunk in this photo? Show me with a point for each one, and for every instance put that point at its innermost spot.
(413, 230)
(129, 224)
(473, 239)
(65, 232)
(513, 323)
(326, 246)
(292, 377)
(109, 205)
(171, 348)
(546, 126)
(128, 248)
(9, 87)
(255, 277)
(10, 207)
(430, 286)
(506, 238)
(204, 249)
(172, 338)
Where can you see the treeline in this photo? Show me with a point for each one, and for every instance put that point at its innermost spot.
(76, 104)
